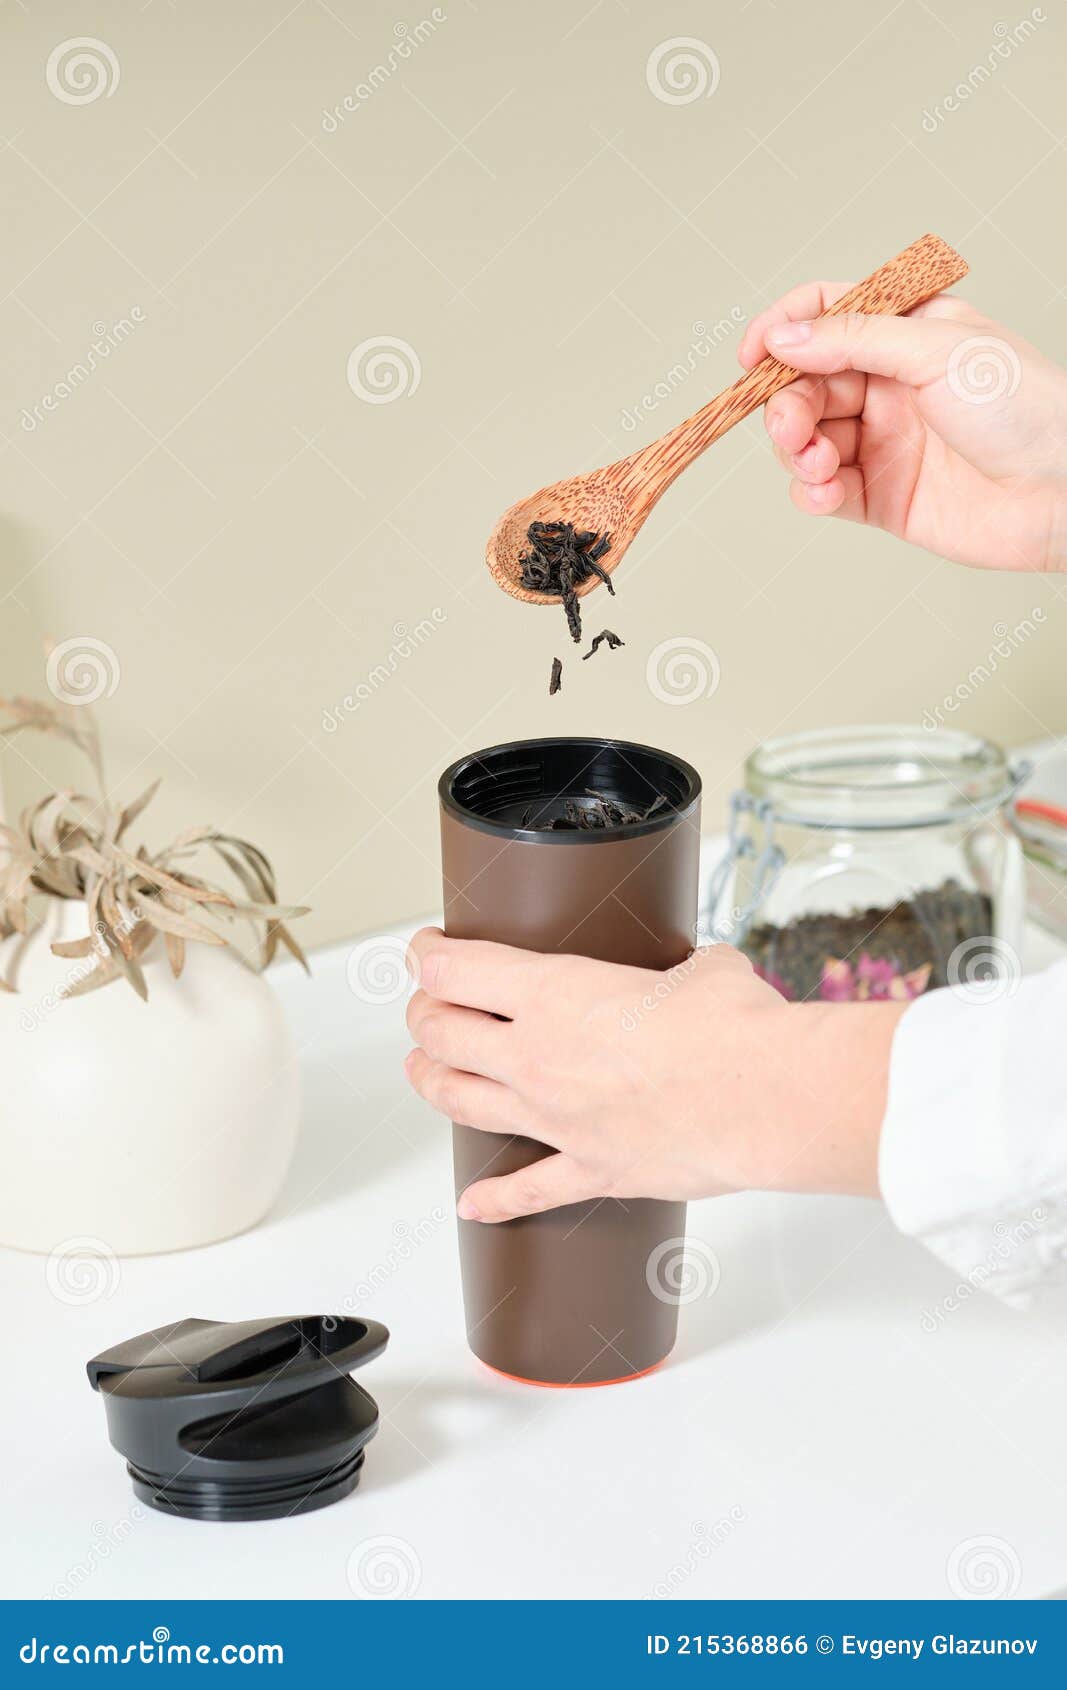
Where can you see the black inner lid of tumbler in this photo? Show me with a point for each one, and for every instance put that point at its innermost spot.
(241, 1420)
(518, 790)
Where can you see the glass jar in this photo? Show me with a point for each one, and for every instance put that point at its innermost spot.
(873, 862)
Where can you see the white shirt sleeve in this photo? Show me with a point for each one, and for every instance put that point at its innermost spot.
(973, 1157)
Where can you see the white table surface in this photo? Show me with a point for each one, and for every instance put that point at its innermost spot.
(848, 1447)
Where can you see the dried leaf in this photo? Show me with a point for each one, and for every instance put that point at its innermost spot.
(67, 845)
(273, 912)
(142, 938)
(170, 920)
(283, 934)
(91, 901)
(175, 953)
(184, 841)
(43, 822)
(114, 922)
(126, 965)
(101, 975)
(16, 918)
(251, 883)
(129, 815)
(73, 947)
(92, 858)
(255, 871)
(173, 882)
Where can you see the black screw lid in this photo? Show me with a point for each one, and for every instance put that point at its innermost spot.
(241, 1420)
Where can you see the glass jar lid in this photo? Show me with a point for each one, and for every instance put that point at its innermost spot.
(878, 777)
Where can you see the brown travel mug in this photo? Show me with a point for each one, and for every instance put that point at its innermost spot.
(575, 1296)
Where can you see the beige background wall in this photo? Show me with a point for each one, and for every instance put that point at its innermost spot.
(217, 505)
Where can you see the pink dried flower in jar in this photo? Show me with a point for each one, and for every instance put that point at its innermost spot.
(874, 980)
(837, 985)
(774, 980)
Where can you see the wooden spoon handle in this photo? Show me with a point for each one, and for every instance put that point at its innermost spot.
(926, 267)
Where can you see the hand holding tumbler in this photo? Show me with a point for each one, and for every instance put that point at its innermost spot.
(572, 1296)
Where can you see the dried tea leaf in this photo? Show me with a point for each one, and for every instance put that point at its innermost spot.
(613, 642)
(560, 558)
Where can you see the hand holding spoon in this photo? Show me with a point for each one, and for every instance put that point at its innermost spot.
(616, 499)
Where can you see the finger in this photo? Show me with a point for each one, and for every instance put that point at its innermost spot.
(842, 439)
(807, 300)
(419, 947)
(790, 417)
(817, 461)
(497, 978)
(468, 1098)
(462, 1038)
(843, 495)
(720, 959)
(810, 299)
(914, 350)
(547, 1184)
(792, 414)
(844, 432)
(951, 308)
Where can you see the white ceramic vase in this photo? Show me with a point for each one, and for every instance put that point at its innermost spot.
(129, 1127)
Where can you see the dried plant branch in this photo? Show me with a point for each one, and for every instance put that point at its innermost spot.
(71, 846)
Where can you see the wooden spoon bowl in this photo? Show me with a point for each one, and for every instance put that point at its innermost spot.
(593, 501)
(616, 498)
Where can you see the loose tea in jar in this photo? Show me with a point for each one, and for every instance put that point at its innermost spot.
(884, 868)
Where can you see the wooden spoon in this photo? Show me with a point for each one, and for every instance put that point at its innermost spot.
(616, 500)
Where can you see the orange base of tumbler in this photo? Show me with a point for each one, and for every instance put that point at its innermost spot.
(576, 1384)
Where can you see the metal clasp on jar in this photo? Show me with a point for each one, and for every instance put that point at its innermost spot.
(746, 815)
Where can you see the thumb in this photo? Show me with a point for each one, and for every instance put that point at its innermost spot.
(547, 1184)
(913, 350)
